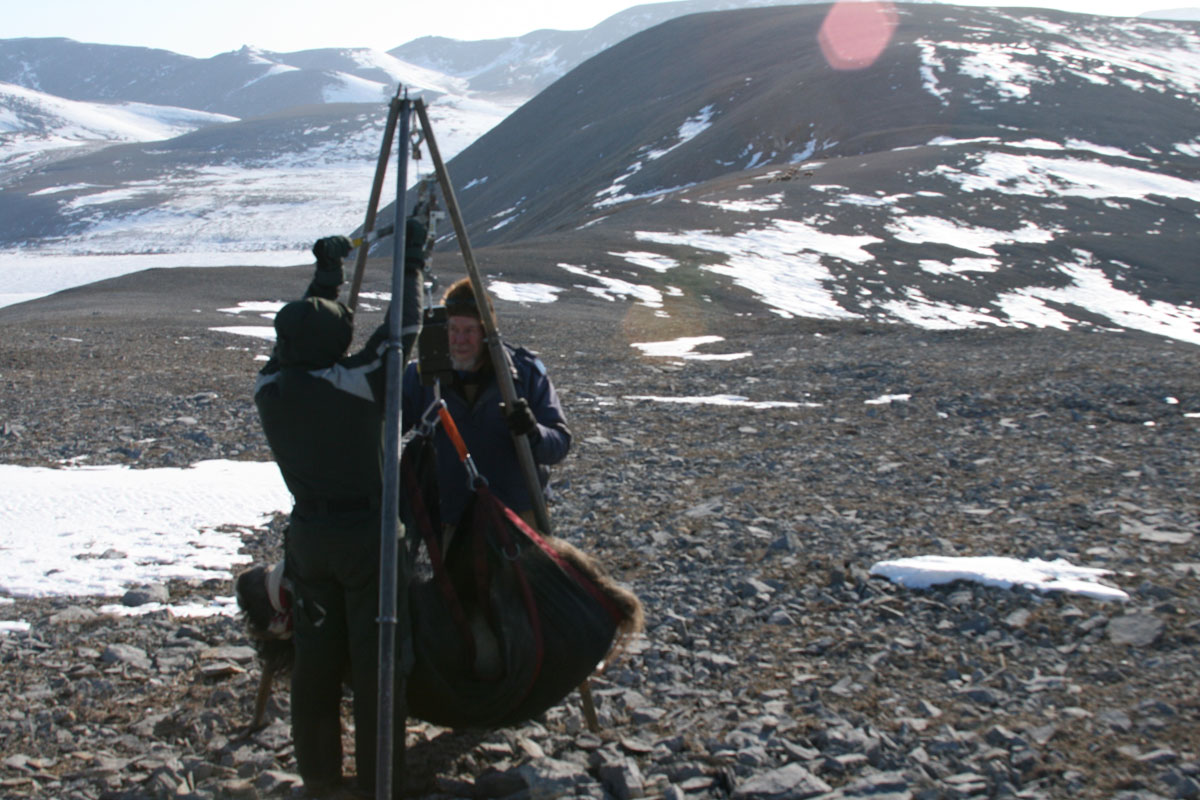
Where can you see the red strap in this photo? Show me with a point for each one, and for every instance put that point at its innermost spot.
(497, 512)
(436, 560)
(486, 498)
(452, 431)
(603, 599)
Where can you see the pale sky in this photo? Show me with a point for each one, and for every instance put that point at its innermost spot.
(206, 28)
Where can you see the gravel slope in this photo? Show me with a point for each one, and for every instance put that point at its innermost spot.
(772, 665)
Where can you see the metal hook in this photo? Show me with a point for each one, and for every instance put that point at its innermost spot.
(429, 419)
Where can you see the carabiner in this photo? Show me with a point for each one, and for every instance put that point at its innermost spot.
(429, 419)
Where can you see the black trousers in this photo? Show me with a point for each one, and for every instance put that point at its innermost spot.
(333, 564)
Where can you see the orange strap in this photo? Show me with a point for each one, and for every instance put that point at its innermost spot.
(452, 431)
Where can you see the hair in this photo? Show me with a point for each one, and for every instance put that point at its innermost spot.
(459, 300)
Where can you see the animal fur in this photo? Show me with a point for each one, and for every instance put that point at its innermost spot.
(275, 651)
(633, 618)
(272, 646)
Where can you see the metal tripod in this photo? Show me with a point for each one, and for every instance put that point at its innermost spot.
(394, 619)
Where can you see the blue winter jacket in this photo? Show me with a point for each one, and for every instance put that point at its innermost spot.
(486, 433)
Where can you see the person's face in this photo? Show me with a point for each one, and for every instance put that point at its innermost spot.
(466, 343)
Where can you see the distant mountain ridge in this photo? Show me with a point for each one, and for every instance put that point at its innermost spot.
(529, 63)
(990, 167)
(982, 167)
(252, 81)
(754, 99)
(243, 83)
(56, 197)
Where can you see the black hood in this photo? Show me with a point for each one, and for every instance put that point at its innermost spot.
(313, 332)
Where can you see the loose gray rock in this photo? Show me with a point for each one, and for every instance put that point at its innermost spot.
(623, 779)
(549, 777)
(125, 654)
(770, 661)
(72, 614)
(792, 782)
(1136, 630)
(146, 594)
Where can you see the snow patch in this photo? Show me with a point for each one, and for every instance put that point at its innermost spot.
(612, 288)
(524, 292)
(1001, 66)
(1094, 291)
(781, 263)
(959, 265)
(917, 309)
(922, 572)
(98, 530)
(615, 193)
(937, 230)
(254, 331)
(769, 203)
(264, 308)
(1042, 176)
(888, 399)
(1191, 148)
(75, 121)
(346, 88)
(691, 128)
(718, 400)
(654, 261)
(683, 347)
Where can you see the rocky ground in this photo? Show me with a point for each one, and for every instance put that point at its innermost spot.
(773, 665)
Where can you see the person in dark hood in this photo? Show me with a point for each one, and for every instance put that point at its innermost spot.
(323, 415)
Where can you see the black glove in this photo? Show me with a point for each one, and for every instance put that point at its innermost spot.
(329, 252)
(520, 419)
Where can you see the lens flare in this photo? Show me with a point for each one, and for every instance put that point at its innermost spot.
(856, 32)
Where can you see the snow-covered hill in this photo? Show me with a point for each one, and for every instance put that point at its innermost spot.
(522, 66)
(244, 192)
(249, 82)
(278, 146)
(34, 122)
(976, 167)
(989, 167)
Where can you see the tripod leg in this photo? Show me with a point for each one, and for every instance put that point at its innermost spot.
(360, 260)
(589, 706)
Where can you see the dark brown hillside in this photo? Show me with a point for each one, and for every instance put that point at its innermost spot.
(773, 98)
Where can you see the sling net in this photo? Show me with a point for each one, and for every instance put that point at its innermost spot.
(505, 621)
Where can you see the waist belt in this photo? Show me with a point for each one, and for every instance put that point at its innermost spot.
(335, 505)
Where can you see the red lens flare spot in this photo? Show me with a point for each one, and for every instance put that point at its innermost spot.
(856, 32)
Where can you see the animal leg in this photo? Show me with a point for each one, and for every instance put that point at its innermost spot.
(261, 697)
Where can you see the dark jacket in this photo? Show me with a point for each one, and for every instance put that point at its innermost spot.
(486, 433)
(415, 236)
(323, 415)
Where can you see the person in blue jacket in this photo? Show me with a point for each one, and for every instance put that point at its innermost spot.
(473, 399)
